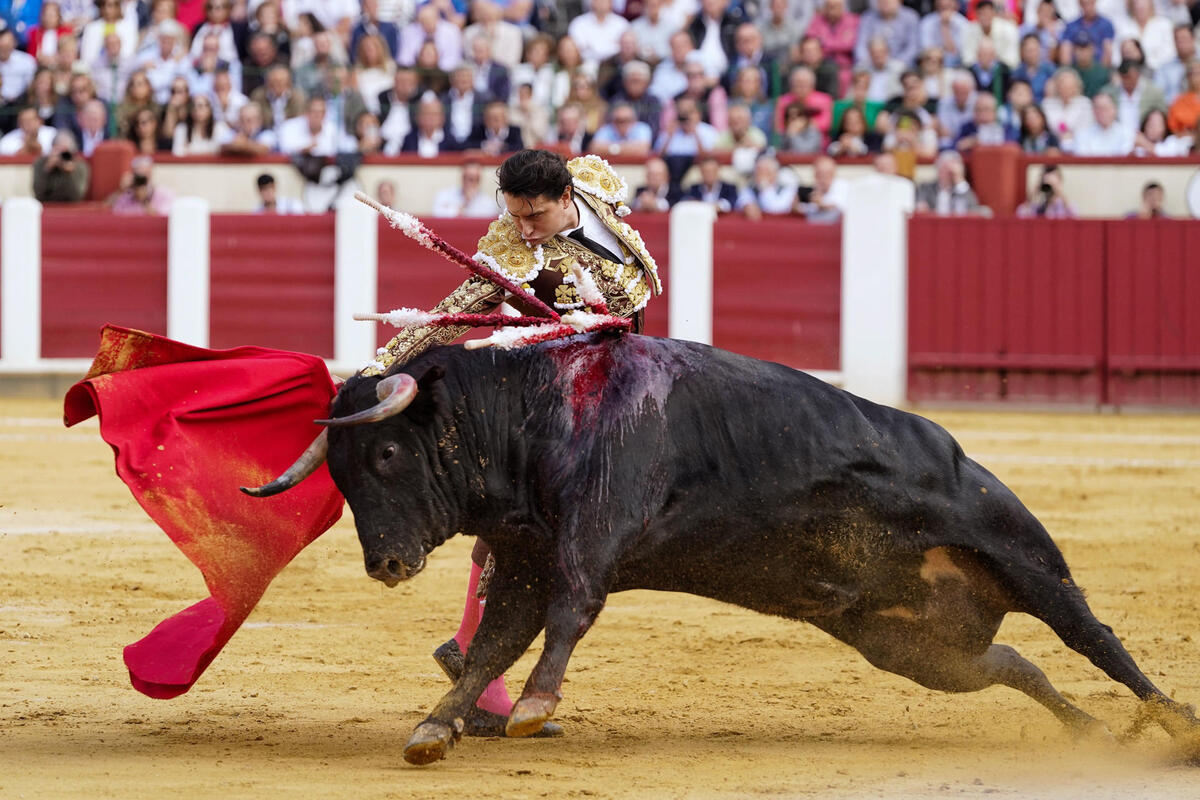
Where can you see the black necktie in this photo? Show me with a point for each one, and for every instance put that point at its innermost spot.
(594, 246)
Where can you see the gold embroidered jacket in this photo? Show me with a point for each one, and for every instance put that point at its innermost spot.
(626, 287)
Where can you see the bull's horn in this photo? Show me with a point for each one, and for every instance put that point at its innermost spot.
(395, 392)
(305, 465)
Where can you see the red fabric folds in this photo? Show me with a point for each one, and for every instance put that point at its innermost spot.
(189, 426)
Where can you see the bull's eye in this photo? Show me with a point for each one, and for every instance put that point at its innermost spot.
(388, 452)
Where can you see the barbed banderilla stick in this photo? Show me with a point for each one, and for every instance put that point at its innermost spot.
(414, 229)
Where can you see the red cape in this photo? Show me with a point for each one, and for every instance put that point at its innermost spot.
(189, 426)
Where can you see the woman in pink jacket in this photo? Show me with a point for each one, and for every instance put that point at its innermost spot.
(837, 29)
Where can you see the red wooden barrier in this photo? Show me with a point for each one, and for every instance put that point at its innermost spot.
(777, 291)
(272, 282)
(1153, 322)
(1054, 311)
(656, 233)
(1006, 310)
(98, 268)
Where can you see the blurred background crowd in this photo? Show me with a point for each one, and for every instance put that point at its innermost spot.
(675, 82)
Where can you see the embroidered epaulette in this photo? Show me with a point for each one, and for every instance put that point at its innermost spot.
(629, 237)
(503, 249)
(593, 175)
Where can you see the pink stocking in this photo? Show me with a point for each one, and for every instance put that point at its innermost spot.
(472, 612)
(495, 697)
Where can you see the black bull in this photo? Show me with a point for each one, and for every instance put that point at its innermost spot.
(599, 464)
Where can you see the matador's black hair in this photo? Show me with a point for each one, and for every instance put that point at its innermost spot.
(534, 173)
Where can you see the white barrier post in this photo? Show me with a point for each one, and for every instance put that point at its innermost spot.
(875, 288)
(690, 298)
(188, 271)
(356, 259)
(21, 282)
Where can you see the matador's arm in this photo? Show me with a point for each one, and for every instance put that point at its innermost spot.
(474, 296)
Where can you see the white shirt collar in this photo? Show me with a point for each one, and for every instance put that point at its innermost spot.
(594, 229)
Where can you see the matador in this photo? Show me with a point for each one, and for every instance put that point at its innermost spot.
(558, 214)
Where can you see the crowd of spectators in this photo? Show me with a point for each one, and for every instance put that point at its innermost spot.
(326, 82)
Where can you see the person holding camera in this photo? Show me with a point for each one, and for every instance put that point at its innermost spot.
(1049, 201)
(684, 139)
(687, 134)
(800, 134)
(138, 195)
(61, 176)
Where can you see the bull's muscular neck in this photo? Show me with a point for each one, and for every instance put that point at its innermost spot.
(483, 455)
(512, 426)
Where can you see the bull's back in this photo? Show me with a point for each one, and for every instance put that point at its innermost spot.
(774, 433)
(774, 478)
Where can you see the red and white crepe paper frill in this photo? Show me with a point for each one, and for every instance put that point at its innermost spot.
(571, 323)
(414, 317)
(517, 331)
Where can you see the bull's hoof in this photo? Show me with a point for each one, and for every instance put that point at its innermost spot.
(478, 722)
(451, 659)
(530, 715)
(431, 741)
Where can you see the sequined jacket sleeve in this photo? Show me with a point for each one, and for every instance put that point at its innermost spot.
(474, 296)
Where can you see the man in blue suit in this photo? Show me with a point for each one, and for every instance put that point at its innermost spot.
(370, 25)
(492, 80)
(494, 135)
(711, 189)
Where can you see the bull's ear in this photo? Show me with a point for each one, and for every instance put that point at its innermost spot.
(432, 375)
(424, 406)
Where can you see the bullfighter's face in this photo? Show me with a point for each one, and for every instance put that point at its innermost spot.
(540, 218)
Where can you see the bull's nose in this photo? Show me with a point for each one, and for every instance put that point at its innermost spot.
(392, 570)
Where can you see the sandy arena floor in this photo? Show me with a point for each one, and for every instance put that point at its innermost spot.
(668, 696)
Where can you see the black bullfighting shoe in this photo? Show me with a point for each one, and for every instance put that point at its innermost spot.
(478, 722)
(451, 659)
